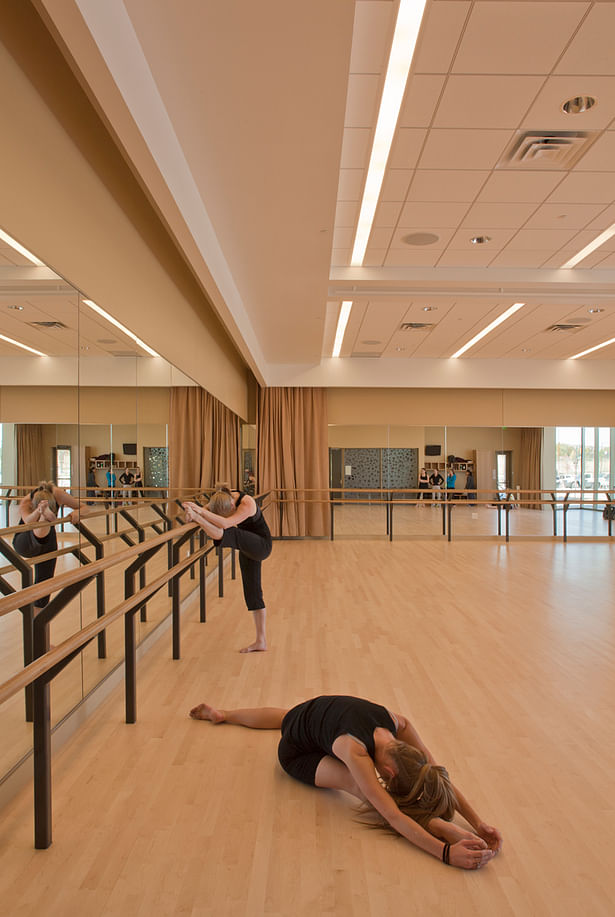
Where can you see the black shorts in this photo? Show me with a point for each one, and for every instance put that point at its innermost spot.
(299, 762)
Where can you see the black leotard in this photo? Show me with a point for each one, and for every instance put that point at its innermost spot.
(310, 729)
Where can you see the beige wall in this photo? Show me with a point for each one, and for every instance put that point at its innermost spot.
(470, 407)
(63, 174)
(66, 405)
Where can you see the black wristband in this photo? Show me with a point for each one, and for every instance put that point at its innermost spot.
(445, 854)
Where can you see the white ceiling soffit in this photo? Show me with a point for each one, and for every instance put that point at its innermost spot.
(254, 126)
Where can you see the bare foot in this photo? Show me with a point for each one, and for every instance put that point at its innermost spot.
(205, 712)
(259, 646)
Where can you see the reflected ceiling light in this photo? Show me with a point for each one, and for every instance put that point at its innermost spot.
(3, 337)
(119, 325)
(407, 27)
(598, 241)
(591, 349)
(19, 248)
(341, 326)
(488, 329)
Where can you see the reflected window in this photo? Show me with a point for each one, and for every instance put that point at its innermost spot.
(62, 466)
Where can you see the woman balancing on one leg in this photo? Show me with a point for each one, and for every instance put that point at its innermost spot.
(234, 520)
(340, 742)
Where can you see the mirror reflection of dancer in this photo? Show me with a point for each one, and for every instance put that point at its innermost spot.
(340, 742)
(41, 505)
(234, 520)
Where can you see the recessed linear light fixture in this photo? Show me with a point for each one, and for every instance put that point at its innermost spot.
(19, 248)
(114, 321)
(3, 337)
(409, 16)
(598, 241)
(341, 326)
(591, 349)
(488, 329)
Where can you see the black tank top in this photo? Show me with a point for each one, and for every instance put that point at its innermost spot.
(317, 723)
(255, 523)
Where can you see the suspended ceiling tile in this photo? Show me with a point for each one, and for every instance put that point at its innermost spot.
(381, 237)
(343, 238)
(548, 240)
(526, 259)
(406, 148)
(422, 94)
(463, 149)
(605, 218)
(607, 263)
(395, 184)
(476, 257)
(591, 50)
(362, 101)
(350, 184)
(415, 258)
(562, 256)
(586, 188)
(563, 216)
(519, 186)
(374, 257)
(346, 213)
(340, 257)
(547, 114)
(442, 25)
(498, 216)
(355, 148)
(387, 213)
(601, 155)
(371, 36)
(428, 215)
(442, 185)
(380, 321)
(516, 37)
(486, 102)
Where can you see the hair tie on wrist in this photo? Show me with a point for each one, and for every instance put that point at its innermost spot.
(445, 854)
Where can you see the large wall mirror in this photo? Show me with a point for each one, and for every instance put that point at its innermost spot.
(84, 405)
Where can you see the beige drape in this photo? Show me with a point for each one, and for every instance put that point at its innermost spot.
(293, 455)
(530, 454)
(204, 441)
(32, 464)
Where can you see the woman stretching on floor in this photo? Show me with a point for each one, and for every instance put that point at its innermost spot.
(340, 742)
(234, 520)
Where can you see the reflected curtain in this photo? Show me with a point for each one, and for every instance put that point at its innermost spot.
(32, 466)
(293, 454)
(204, 440)
(530, 449)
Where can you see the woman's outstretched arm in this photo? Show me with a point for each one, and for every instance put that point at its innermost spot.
(466, 853)
(407, 733)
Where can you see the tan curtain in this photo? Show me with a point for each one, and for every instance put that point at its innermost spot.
(32, 465)
(293, 455)
(530, 449)
(204, 438)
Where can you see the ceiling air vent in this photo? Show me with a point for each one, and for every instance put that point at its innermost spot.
(564, 327)
(48, 324)
(552, 150)
(415, 326)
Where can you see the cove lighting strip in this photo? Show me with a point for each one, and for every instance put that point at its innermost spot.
(119, 325)
(19, 248)
(488, 329)
(3, 337)
(591, 349)
(341, 326)
(598, 241)
(407, 27)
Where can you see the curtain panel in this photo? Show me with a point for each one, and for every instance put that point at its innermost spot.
(204, 441)
(530, 458)
(293, 457)
(32, 465)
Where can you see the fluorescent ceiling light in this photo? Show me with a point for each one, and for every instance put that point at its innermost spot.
(598, 241)
(3, 337)
(407, 27)
(591, 349)
(485, 331)
(341, 326)
(119, 325)
(19, 248)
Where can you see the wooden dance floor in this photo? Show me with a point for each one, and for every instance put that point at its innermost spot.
(501, 654)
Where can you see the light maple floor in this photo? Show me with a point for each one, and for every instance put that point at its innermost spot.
(502, 655)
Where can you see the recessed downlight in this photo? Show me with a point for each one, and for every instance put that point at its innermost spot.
(578, 104)
(595, 311)
(430, 308)
(16, 308)
(420, 238)
(480, 240)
